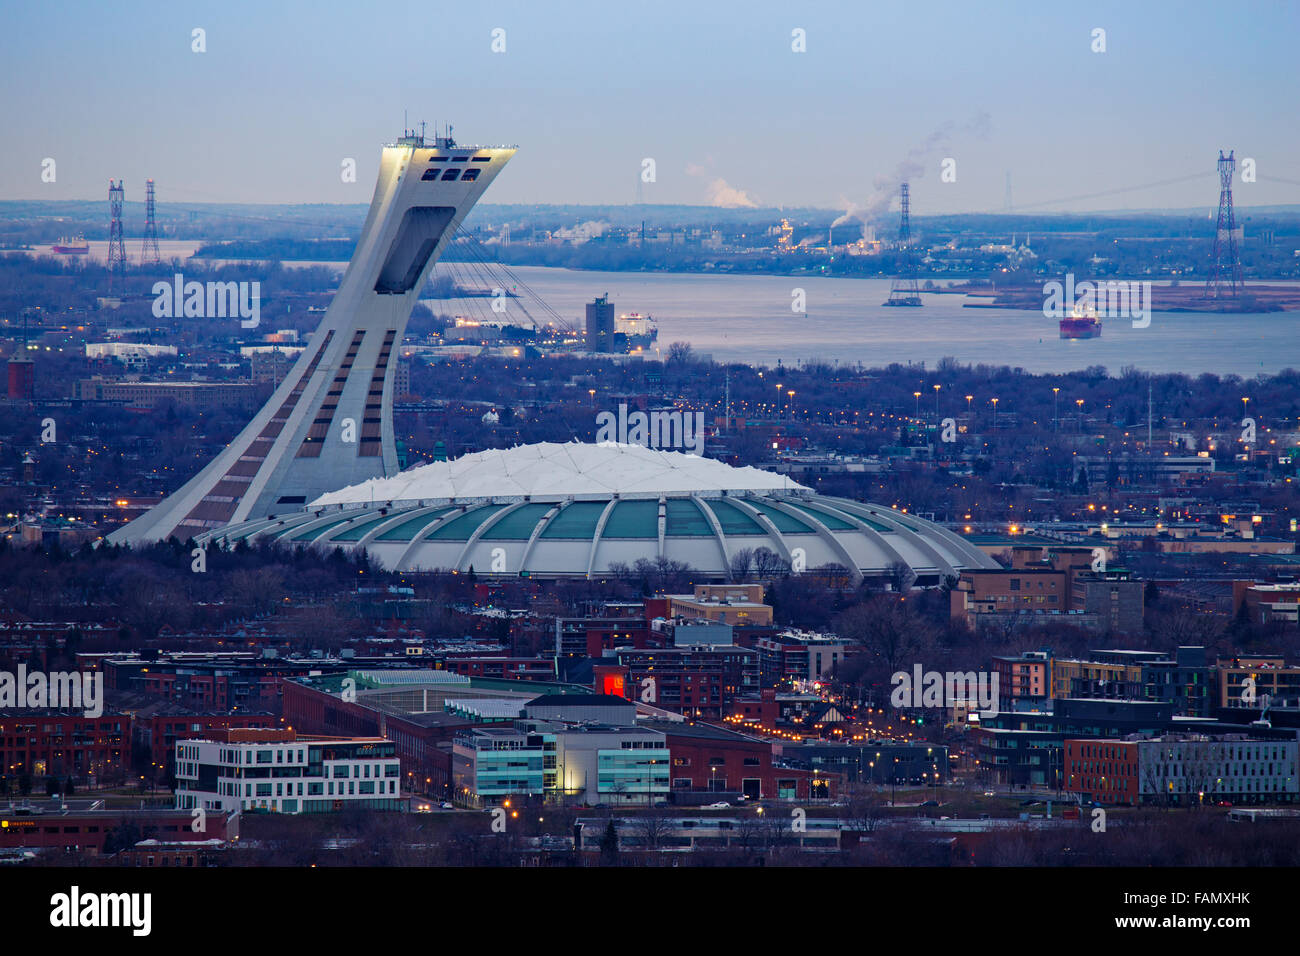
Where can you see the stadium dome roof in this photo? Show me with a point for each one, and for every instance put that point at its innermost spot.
(567, 470)
(573, 510)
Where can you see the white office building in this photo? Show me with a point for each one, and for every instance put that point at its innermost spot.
(276, 771)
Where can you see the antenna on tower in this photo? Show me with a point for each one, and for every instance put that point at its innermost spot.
(149, 254)
(1225, 269)
(116, 250)
(904, 289)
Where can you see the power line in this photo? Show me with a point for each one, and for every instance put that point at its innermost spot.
(1112, 192)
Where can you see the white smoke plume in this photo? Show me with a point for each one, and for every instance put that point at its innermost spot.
(915, 164)
(584, 232)
(720, 192)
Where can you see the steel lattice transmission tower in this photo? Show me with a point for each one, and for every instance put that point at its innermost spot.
(904, 290)
(149, 254)
(1225, 270)
(116, 250)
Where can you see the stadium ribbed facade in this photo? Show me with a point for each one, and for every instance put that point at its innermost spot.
(574, 510)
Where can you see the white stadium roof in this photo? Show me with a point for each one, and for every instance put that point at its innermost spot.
(584, 510)
(561, 471)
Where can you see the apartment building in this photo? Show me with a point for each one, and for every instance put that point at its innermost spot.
(277, 771)
(1183, 769)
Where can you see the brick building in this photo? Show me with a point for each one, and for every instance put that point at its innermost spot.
(708, 761)
(1242, 681)
(155, 730)
(1184, 769)
(83, 827)
(695, 681)
(1267, 603)
(1050, 581)
(41, 743)
(1024, 678)
(423, 740)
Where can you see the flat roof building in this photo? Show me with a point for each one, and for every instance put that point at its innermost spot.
(277, 771)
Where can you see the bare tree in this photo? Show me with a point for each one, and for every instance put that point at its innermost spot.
(1155, 773)
(651, 827)
(742, 564)
(750, 833)
(888, 628)
(680, 353)
(866, 809)
(901, 576)
(767, 563)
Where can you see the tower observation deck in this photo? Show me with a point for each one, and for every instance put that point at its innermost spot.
(330, 422)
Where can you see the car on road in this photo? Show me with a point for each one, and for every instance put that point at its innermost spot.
(448, 805)
(989, 793)
(720, 805)
(930, 803)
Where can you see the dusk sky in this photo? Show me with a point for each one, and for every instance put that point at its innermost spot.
(711, 91)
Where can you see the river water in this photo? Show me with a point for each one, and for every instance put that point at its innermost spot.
(747, 318)
(744, 318)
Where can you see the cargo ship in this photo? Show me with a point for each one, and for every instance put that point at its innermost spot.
(640, 330)
(1081, 323)
(76, 246)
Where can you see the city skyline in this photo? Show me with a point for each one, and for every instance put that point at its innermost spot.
(722, 104)
(861, 437)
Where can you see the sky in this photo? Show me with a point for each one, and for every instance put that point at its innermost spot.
(712, 91)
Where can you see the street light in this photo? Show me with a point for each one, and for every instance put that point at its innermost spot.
(1079, 402)
(918, 404)
(1056, 394)
(936, 402)
(995, 413)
